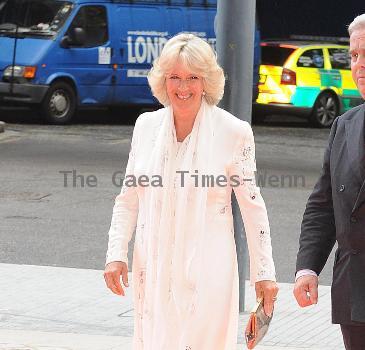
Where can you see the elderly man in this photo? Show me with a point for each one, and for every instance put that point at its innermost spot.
(336, 212)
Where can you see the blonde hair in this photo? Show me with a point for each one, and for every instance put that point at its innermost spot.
(357, 23)
(197, 56)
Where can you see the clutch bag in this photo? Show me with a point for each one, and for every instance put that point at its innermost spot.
(257, 326)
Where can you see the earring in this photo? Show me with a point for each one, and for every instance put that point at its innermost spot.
(203, 93)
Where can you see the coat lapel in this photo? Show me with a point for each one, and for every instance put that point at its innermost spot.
(355, 142)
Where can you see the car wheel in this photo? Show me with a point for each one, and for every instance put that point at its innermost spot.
(59, 104)
(325, 110)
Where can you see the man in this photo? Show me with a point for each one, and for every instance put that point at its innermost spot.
(336, 212)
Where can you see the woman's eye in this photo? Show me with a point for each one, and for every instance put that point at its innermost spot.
(174, 77)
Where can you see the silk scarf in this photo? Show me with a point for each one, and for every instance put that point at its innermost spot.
(172, 271)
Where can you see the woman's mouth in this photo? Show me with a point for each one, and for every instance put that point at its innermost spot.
(183, 97)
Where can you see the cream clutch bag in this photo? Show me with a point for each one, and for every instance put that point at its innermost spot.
(257, 326)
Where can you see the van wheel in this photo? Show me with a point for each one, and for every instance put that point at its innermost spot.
(59, 104)
(325, 110)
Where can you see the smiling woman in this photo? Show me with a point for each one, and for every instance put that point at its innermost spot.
(196, 58)
(185, 224)
(185, 91)
(186, 70)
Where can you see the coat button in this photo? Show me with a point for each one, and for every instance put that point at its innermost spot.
(353, 219)
(342, 188)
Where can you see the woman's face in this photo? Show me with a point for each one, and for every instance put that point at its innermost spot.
(184, 89)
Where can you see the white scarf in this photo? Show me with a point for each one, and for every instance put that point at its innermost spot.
(172, 272)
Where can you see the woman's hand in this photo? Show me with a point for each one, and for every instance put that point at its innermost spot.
(268, 290)
(112, 274)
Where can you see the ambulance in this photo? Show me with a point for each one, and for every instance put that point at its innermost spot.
(307, 78)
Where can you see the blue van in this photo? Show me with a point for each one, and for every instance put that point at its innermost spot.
(59, 55)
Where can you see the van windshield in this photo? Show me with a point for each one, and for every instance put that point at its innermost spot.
(39, 18)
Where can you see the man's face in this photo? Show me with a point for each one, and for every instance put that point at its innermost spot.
(357, 52)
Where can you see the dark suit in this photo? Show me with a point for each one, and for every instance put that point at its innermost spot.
(336, 212)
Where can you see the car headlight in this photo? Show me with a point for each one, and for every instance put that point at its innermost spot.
(20, 72)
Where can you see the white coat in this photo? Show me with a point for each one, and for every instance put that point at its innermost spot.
(214, 320)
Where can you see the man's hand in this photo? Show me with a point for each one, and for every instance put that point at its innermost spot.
(306, 290)
(112, 274)
(268, 290)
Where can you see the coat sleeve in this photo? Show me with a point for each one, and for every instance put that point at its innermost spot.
(318, 231)
(252, 206)
(125, 210)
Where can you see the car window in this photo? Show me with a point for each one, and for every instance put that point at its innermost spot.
(340, 58)
(93, 20)
(311, 59)
(275, 55)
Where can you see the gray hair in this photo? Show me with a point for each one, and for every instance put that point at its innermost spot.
(197, 55)
(357, 23)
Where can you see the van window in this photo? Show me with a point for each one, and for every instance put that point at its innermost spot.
(311, 59)
(340, 58)
(275, 55)
(93, 20)
(32, 17)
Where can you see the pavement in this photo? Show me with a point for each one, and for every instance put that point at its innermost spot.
(57, 308)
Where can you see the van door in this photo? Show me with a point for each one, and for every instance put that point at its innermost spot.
(89, 62)
(140, 33)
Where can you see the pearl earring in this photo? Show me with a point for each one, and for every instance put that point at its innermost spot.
(203, 93)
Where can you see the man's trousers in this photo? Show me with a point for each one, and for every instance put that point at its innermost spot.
(354, 336)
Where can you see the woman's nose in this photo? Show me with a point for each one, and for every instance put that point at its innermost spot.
(183, 84)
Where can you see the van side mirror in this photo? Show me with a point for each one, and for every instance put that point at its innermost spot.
(65, 42)
(76, 37)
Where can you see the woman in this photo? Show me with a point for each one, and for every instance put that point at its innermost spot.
(190, 155)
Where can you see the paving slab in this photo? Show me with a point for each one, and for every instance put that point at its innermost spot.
(33, 340)
(67, 308)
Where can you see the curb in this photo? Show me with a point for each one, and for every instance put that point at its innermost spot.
(2, 126)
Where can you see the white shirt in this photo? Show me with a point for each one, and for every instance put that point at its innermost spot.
(305, 272)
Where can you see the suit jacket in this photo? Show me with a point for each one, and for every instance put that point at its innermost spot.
(336, 212)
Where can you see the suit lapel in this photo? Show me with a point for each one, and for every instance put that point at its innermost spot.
(360, 197)
(355, 143)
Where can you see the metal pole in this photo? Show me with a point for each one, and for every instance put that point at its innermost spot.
(235, 29)
(14, 47)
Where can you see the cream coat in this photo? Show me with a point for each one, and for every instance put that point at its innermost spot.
(215, 319)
